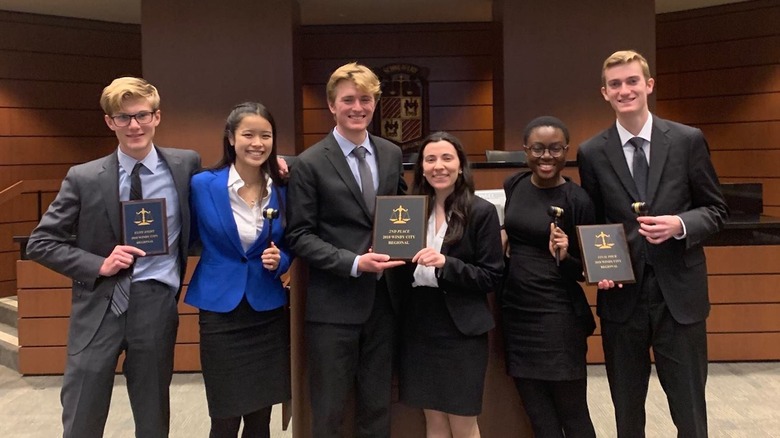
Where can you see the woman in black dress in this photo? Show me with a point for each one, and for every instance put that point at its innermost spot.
(446, 318)
(545, 315)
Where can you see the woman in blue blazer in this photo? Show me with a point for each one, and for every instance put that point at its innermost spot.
(244, 332)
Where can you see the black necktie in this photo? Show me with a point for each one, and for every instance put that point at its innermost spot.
(366, 178)
(136, 192)
(120, 300)
(640, 168)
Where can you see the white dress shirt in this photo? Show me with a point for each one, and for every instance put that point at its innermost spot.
(426, 275)
(248, 217)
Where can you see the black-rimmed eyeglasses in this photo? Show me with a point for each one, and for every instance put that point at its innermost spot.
(555, 150)
(143, 118)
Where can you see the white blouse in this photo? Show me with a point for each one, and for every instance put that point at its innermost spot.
(426, 275)
(248, 217)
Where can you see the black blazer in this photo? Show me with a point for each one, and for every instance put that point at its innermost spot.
(682, 181)
(474, 266)
(329, 224)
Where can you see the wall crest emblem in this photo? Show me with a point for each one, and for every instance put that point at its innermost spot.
(403, 107)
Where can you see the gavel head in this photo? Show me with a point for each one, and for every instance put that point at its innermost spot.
(271, 213)
(639, 208)
(554, 211)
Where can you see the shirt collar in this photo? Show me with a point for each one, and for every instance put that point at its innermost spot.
(150, 161)
(235, 182)
(234, 178)
(644, 133)
(347, 146)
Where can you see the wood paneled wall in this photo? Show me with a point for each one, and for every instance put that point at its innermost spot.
(460, 58)
(719, 69)
(44, 315)
(52, 71)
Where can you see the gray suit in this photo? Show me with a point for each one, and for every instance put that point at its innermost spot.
(88, 206)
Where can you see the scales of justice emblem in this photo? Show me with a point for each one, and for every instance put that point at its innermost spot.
(400, 215)
(146, 217)
(601, 241)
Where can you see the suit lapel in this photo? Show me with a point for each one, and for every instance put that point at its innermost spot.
(339, 162)
(659, 151)
(219, 196)
(181, 179)
(109, 187)
(383, 157)
(617, 158)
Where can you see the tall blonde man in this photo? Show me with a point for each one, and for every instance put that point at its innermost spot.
(644, 158)
(349, 314)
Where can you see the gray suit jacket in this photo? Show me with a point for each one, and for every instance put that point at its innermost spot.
(329, 224)
(87, 206)
(682, 181)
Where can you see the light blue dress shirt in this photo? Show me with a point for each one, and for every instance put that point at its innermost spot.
(347, 147)
(156, 182)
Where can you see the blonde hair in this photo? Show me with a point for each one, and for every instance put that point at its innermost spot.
(363, 78)
(124, 88)
(625, 57)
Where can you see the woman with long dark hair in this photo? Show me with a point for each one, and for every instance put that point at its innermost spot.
(244, 331)
(444, 350)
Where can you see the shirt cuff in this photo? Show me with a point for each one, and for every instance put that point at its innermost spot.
(684, 232)
(355, 272)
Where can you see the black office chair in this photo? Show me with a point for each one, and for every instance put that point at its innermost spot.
(496, 156)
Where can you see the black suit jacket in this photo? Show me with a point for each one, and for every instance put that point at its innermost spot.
(682, 182)
(474, 267)
(329, 224)
(87, 205)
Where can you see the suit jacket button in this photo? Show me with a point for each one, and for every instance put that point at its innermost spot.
(243, 260)
(107, 297)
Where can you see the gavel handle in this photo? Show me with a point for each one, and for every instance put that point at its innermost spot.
(557, 250)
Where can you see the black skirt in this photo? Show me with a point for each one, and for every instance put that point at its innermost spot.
(440, 367)
(245, 356)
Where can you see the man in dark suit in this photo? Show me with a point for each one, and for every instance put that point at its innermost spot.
(122, 301)
(349, 317)
(667, 307)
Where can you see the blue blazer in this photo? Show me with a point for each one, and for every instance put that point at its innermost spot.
(226, 272)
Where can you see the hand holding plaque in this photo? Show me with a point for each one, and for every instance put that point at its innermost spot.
(605, 253)
(400, 224)
(145, 225)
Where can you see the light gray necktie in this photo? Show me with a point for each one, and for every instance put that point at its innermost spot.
(366, 178)
(120, 299)
(640, 169)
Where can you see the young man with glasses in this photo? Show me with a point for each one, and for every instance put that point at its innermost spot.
(643, 158)
(123, 301)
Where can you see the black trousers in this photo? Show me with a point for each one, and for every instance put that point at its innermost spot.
(343, 356)
(680, 352)
(557, 409)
